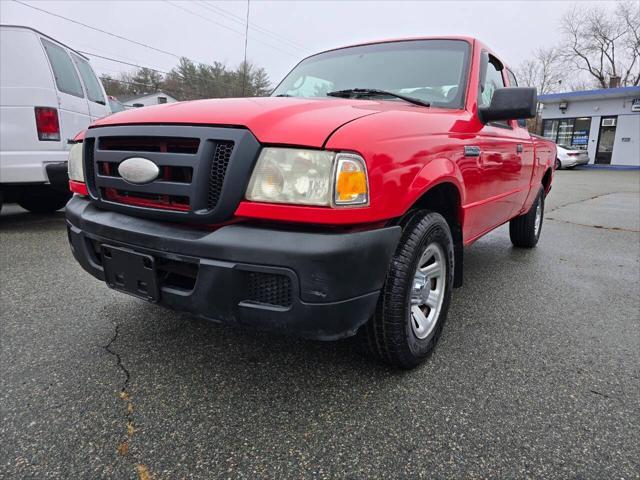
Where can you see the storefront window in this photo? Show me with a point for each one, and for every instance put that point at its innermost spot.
(571, 133)
(565, 132)
(581, 133)
(550, 130)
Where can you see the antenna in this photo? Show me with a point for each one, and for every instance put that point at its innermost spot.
(246, 38)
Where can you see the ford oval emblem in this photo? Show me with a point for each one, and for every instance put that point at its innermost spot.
(138, 170)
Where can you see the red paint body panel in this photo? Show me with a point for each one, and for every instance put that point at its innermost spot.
(408, 150)
(285, 121)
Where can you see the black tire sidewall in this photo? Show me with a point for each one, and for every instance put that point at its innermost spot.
(540, 200)
(437, 232)
(397, 344)
(43, 199)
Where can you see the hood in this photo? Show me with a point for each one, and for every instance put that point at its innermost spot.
(273, 120)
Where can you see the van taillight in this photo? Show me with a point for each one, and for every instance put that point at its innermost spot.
(47, 124)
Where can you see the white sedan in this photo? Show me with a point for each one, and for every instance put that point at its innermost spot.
(568, 158)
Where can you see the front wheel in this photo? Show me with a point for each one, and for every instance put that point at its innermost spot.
(525, 230)
(414, 301)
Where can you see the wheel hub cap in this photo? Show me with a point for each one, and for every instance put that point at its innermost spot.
(427, 293)
(538, 218)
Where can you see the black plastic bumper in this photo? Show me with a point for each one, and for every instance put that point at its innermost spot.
(333, 279)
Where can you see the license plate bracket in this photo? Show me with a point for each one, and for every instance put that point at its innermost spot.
(130, 272)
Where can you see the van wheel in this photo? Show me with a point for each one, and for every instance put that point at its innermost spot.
(43, 199)
(414, 301)
(525, 230)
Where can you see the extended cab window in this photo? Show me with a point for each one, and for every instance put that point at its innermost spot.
(91, 82)
(64, 72)
(433, 71)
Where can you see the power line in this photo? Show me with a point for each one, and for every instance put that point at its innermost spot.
(203, 17)
(131, 41)
(254, 26)
(106, 33)
(200, 16)
(122, 62)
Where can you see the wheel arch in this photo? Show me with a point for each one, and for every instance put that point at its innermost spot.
(546, 180)
(444, 198)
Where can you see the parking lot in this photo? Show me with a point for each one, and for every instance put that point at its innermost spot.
(536, 373)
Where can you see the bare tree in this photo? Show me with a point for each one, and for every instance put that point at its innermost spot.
(629, 14)
(604, 44)
(543, 71)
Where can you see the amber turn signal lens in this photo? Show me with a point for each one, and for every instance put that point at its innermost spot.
(351, 181)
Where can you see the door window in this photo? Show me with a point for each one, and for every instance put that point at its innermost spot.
(513, 82)
(91, 82)
(606, 140)
(492, 81)
(67, 79)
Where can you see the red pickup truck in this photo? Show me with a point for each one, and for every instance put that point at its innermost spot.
(339, 205)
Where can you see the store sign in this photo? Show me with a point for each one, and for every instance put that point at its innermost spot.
(635, 105)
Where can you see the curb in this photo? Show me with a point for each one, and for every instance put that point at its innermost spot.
(607, 167)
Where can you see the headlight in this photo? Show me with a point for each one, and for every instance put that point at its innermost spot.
(288, 175)
(76, 170)
(308, 177)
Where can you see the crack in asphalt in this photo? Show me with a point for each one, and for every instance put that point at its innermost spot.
(587, 199)
(601, 227)
(124, 395)
(121, 366)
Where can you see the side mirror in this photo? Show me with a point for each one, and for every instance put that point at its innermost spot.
(510, 103)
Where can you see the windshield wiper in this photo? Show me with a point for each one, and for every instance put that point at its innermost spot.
(374, 92)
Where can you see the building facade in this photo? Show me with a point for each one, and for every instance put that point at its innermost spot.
(156, 98)
(605, 123)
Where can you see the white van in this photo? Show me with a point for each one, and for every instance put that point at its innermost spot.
(48, 93)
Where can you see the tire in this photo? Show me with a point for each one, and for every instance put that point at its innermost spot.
(43, 199)
(393, 334)
(525, 230)
(558, 164)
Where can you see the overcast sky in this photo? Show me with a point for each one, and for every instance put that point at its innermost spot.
(280, 32)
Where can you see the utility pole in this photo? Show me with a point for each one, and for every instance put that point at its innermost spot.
(244, 64)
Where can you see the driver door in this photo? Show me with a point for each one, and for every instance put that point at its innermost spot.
(500, 174)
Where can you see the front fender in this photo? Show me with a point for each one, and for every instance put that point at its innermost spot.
(435, 172)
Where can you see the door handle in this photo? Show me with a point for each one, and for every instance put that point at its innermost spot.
(519, 148)
(472, 151)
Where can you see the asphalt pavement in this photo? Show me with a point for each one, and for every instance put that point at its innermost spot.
(536, 374)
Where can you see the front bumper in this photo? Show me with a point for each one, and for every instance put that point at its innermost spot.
(316, 285)
(574, 161)
(29, 166)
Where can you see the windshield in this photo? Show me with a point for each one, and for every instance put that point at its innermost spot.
(434, 71)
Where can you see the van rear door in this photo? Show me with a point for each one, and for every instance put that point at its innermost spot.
(73, 109)
(96, 97)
